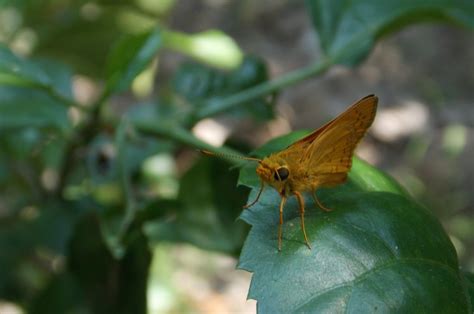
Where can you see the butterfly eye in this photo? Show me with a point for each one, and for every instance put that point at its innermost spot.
(281, 174)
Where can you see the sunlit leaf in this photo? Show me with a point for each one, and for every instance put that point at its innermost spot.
(378, 250)
(212, 47)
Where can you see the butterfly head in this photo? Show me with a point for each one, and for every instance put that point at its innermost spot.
(272, 170)
(275, 172)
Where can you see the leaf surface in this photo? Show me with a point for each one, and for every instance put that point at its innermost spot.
(206, 211)
(33, 93)
(129, 57)
(206, 87)
(349, 29)
(378, 250)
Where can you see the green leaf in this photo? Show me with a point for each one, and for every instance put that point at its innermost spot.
(109, 285)
(470, 286)
(368, 178)
(18, 71)
(114, 227)
(25, 107)
(378, 250)
(205, 87)
(33, 93)
(62, 294)
(44, 229)
(114, 166)
(348, 29)
(206, 211)
(129, 57)
(82, 34)
(160, 114)
(51, 77)
(212, 47)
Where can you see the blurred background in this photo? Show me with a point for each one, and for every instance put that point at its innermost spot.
(423, 134)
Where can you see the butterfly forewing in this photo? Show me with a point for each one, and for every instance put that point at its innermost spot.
(325, 155)
(355, 120)
(321, 159)
(331, 152)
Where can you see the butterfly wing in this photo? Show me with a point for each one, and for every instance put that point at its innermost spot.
(328, 157)
(296, 149)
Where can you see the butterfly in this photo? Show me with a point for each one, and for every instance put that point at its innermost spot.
(320, 159)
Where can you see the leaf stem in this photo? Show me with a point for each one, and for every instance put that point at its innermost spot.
(63, 100)
(215, 107)
(183, 136)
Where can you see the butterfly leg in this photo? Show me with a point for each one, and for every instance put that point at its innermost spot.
(258, 196)
(282, 204)
(299, 197)
(316, 200)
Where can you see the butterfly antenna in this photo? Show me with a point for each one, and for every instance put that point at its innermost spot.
(221, 155)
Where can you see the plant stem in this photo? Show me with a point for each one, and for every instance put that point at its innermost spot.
(63, 100)
(88, 129)
(183, 136)
(222, 105)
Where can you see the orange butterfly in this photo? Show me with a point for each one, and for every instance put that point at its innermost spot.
(321, 159)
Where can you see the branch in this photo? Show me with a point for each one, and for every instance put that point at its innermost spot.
(183, 136)
(215, 107)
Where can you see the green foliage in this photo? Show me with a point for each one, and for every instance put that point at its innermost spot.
(211, 47)
(34, 232)
(349, 29)
(83, 199)
(130, 57)
(470, 285)
(208, 204)
(33, 93)
(376, 251)
(208, 87)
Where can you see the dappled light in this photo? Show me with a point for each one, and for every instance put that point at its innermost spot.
(211, 132)
(147, 146)
(394, 123)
